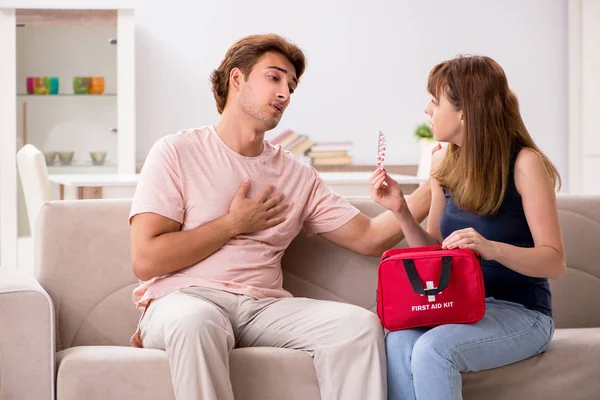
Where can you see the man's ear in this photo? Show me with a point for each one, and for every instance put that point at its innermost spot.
(235, 78)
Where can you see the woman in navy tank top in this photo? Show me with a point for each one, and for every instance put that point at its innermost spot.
(493, 191)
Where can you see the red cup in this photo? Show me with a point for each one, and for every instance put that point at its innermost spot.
(30, 85)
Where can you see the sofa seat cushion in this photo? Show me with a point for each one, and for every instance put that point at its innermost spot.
(113, 372)
(569, 369)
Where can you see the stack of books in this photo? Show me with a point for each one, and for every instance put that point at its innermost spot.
(293, 142)
(330, 153)
(318, 154)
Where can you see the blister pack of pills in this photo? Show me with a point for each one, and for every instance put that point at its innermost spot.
(381, 146)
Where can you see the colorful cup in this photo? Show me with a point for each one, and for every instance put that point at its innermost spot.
(81, 84)
(97, 85)
(53, 85)
(41, 85)
(29, 84)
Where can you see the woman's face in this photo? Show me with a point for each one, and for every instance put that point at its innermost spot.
(445, 120)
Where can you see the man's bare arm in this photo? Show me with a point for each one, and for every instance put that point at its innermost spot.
(373, 236)
(158, 247)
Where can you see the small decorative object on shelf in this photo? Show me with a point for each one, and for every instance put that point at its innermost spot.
(81, 84)
(29, 84)
(88, 84)
(423, 131)
(96, 85)
(427, 143)
(50, 157)
(39, 85)
(98, 157)
(54, 85)
(42, 85)
(66, 157)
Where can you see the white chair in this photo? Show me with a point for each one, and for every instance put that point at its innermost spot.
(36, 190)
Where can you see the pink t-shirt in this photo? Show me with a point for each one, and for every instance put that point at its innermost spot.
(192, 177)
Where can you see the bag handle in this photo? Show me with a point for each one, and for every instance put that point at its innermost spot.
(415, 281)
(407, 250)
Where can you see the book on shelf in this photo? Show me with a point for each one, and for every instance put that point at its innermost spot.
(332, 146)
(288, 145)
(287, 141)
(293, 142)
(301, 146)
(341, 160)
(321, 153)
(277, 139)
(330, 153)
(326, 154)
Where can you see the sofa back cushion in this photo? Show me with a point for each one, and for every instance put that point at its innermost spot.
(576, 296)
(83, 261)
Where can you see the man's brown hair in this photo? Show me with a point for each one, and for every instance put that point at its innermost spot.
(244, 54)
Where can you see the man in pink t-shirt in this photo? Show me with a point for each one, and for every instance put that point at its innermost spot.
(214, 210)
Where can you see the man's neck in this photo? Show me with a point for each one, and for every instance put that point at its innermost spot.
(239, 135)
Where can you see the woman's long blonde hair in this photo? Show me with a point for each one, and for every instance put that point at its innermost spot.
(477, 172)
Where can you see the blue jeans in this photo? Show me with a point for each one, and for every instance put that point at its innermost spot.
(426, 363)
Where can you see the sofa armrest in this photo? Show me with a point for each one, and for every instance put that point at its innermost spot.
(27, 342)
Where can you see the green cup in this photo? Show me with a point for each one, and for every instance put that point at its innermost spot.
(81, 85)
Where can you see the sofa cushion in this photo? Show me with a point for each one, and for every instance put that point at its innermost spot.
(105, 372)
(112, 372)
(569, 369)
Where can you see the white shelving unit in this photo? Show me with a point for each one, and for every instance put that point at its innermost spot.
(114, 109)
(584, 96)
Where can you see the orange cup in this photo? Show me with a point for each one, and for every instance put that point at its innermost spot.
(96, 85)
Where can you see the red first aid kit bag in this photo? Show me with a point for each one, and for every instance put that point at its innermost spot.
(428, 286)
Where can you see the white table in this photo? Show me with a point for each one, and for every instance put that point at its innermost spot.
(95, 186)
(88, 186)
(358, 183)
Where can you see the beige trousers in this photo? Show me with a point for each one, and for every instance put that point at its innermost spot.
(198, 327)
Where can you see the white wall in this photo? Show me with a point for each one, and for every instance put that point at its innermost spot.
(69, 123)
(367, 63)
(590, 96)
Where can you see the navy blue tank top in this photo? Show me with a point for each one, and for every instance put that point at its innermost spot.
(508, 225)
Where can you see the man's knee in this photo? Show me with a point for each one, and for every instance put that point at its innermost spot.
(202, 321)
(359, 322)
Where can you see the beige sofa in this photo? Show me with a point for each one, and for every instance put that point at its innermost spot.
(70, 332)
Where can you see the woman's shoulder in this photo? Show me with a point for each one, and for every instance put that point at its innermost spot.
(529, 168)
(528, 160)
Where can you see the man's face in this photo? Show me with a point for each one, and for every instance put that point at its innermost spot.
(265, 93)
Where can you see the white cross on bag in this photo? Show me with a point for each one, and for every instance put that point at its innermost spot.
(429, 285)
